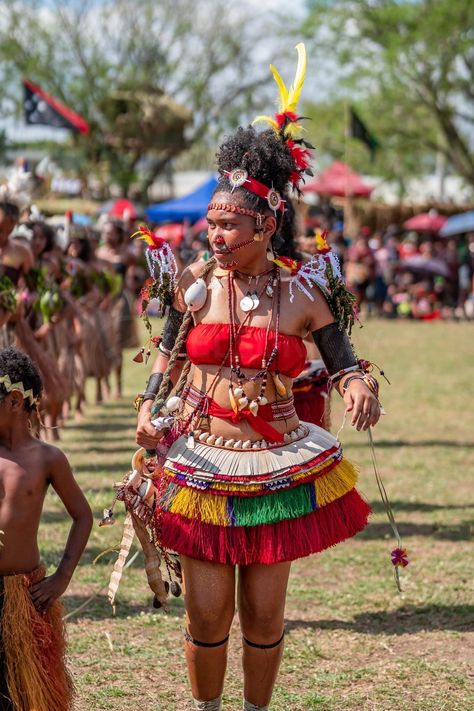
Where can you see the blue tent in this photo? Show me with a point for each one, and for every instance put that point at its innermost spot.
(190, 207)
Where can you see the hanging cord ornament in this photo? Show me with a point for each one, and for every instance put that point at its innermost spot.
(399, 554)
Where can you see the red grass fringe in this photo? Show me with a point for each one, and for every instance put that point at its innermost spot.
(268, 543)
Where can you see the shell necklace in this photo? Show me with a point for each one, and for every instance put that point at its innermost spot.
(237, 395)
(251, 301)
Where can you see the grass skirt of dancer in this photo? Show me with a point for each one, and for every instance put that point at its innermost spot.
(264, 504)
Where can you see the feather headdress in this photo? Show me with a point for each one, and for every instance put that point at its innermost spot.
(286, 124)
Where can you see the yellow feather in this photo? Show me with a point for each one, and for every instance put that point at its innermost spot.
(267, 119)
(281, 87)
(295, 89)
(294, 130)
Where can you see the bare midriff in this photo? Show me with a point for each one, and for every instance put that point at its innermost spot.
(204, 379)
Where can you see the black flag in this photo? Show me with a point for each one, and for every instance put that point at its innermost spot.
(42, 109)
(358, 129)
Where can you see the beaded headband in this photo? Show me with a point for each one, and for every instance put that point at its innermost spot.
(239, 178)
(229, 207)
(5, 380)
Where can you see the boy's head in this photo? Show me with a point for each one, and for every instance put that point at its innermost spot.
(20, 381)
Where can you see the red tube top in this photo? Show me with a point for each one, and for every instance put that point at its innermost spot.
(208, 344)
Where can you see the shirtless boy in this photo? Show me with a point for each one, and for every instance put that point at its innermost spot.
(32, 670)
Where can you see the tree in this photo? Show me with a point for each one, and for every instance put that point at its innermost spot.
(409, 67)
(152, 78)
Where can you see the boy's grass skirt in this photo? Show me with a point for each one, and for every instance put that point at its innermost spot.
(34, 675)
(259, 506)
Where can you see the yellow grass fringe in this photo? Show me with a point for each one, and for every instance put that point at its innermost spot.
(215, 509)
(34, 648)
(336, 483)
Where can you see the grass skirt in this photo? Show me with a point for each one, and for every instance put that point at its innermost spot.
(259, 506)
(33, 649)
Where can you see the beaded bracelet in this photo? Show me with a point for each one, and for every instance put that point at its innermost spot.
(347, 382)
(335, 377)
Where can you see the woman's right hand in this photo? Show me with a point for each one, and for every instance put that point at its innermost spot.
(147, 435)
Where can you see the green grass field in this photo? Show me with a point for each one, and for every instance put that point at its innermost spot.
(353, 642)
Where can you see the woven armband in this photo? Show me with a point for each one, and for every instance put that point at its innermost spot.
(152, 386)
(171, 330)
(335, 348)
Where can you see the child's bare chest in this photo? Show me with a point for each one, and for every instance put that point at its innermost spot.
(22, 484)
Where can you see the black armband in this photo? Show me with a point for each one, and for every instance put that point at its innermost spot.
(152, 386)
(171, 329)
(335, 348)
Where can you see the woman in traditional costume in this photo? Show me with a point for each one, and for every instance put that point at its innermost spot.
(245, 484)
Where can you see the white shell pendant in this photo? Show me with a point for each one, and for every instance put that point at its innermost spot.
(247, 304)
(256, 301)
(195, 295)
(174, 403)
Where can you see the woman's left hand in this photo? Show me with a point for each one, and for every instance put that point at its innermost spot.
(363, 404)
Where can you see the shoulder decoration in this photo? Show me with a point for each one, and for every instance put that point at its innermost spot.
(323, 270)
(285, 122)
(161, 265)
(162, 281)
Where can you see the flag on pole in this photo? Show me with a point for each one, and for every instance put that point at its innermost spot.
(42, 109)
(358, 129)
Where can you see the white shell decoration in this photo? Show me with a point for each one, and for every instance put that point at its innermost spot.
(253, 407)
(286, 437)
(247, 444)
(219, 441)
(146, 489)
(263, 444)
(203, 436)
(195, 295)
(230, 442)
(174, 403)
(243, 402)
(263, 400)
(134, 479)
(238, 444)
(293, 435)
(211, 439)
(256, 445)
(238, 392)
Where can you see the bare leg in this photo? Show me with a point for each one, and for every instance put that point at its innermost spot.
(261, 602)
(209, 595)
(118, 376)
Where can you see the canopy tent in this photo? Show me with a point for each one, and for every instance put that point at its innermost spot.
(339, 181)
(425, 222)
(190, 207)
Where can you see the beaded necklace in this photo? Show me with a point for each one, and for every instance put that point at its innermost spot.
(237, 395)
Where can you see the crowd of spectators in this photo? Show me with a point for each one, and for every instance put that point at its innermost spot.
(395, 274)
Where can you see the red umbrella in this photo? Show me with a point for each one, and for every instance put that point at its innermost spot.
(123, 208)
(425, 222)
(174, 232)
(339, 181)
(200, 226)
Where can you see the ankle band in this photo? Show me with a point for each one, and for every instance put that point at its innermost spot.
(251, 707)
(212, 705)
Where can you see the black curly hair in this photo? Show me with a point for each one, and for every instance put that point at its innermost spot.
(10, 209)
(266, 158)
(20, 368)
